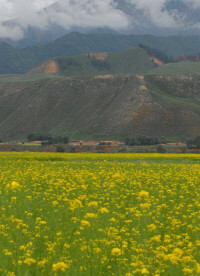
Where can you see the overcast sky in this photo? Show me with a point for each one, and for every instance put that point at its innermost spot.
(86, 13)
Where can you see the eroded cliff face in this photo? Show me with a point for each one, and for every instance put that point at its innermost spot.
(118, 106)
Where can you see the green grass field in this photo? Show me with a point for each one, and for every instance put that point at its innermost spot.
(99, 214)
(179, 68)
(132, 61)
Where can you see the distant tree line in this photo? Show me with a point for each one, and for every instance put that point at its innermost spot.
(194, 144)
(191, 58)
(156, 53)
(144, 141)
(47, 139)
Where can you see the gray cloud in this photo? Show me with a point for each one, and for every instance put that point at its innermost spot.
(91, 13)
(67, 13)
(88, 13)
(156, 13)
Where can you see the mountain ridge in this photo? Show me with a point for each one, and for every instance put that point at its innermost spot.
(100, 107)
(171, 17)
(18, 61)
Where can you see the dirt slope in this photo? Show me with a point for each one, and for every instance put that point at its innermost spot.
(49, 67)
(101, 107)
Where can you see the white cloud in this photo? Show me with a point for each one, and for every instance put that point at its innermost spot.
(88, 13)
(69, 13)
(156, 13)
(11, 32)
(192, 3)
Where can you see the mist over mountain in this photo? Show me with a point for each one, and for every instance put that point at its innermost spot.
(25, 22)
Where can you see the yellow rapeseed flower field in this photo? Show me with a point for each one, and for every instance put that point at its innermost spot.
(99, 214)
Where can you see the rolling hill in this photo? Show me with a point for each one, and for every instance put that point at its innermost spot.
(100, 107)
(18, 61)
(178, 68)
(133, 61)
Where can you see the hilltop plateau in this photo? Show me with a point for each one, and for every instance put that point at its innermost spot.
(133, 61)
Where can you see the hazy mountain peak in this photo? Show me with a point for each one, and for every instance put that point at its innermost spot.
(48, 19)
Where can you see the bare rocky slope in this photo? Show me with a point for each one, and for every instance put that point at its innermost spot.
(101, 107)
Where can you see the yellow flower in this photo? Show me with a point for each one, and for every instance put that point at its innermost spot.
(156, 238)
(29, 261)
(42, 222)
(67, 245)
(151, 227)
(116, 175)
(198, 269)
(167, 239)
(145, 205)
(77, 233)
(144, 271)
(7, 253)
(11, 273)
(176, 255)
(116, 252)
(60, 266)
(104, 210)
(143, 194)
(90, 215)
(85, 223)
(55, 202)
(188, 271)
(198, 243)
(84, 248)
(178, 252)
(97, 250)
(75, 204)
(42, 263)
(93, 204)
(13, 199)
(13, 186)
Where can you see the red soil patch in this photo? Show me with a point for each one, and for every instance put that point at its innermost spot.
(51, 67)
(168, 117)
(99, 56)
(157, 61)
(143, 114)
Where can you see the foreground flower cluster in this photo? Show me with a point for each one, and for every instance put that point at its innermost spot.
(87, 214)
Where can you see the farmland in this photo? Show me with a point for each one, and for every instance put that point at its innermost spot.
(99, 214)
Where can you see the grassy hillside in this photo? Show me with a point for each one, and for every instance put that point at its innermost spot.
(22, 60)
(135, 61)
(184, 68)
(106, 107)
